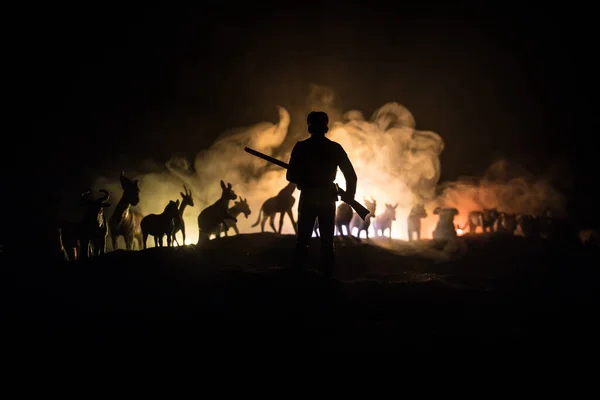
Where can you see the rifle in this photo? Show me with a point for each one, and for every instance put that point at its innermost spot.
(361, 210)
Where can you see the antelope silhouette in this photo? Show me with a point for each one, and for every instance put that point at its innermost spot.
(186, 200)
(282, 204)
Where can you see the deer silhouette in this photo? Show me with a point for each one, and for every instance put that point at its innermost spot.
(213, 216)
(124, 222)
(384, 221)
(93, 230)
(282, 204)
(413, 221)
(237, 208)
(159, 225)
(357, 222)
(186, 200)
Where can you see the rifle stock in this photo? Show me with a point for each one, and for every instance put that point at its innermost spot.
(361, 210)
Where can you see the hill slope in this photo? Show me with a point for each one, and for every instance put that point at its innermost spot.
(239, 293)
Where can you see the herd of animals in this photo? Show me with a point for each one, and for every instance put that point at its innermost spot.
(88, 236)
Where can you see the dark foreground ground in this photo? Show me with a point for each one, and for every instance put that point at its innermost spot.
(238, 293)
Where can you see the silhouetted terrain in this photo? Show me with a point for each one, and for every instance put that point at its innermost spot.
(239, 294)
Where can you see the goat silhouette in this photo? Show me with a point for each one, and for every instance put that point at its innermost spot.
(124, 222)
(282, 204)
(186, 200)
(384, 221)
(213, 216)
(413, 221)
(159, 225)
(238, 208)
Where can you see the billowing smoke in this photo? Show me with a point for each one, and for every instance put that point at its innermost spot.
(395, 162)
(505, 187)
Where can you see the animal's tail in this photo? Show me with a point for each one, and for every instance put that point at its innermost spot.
(259, 215)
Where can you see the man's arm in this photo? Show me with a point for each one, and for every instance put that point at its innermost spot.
(349, 173)
(292, 174)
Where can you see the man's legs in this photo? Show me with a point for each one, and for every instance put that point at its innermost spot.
(306, 222)
(326, 217)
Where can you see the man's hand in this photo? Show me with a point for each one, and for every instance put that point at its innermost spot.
(344, 196)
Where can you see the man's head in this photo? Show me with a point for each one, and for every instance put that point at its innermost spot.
(317, 123)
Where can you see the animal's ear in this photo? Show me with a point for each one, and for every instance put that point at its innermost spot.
(229, 186)
(105, 205)
(436, 210)
(222, 185)
(181, 193)
(395, 206)
(455, 211)
(177, 202)
(137, 182)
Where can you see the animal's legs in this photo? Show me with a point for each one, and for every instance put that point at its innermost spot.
(272, 222)
(129, 242)
(262, 223)
(235, 228)
(294, 224)
(281, 215)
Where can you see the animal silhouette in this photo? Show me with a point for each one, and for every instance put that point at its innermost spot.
(413, 221)
(343, 217)
(124, 222)
(216, 214)
(93, 230)
(484, 219)
(357, 222)
(445, 228)
(88, 235)
(159, 225)
(384, 221)
(186, 200)
(238, 208)
(529, 225)
(506, 223)
(282, 204)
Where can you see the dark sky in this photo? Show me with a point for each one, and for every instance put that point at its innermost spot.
(107, 88)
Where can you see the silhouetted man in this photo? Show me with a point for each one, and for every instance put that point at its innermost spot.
(312, 167)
